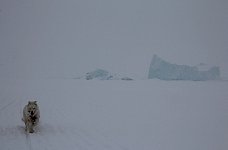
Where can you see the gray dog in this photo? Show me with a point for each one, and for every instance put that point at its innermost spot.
(31, 115)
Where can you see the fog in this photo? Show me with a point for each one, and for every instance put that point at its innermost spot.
(47, 38)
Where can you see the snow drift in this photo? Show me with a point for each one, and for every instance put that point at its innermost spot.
(164, 70)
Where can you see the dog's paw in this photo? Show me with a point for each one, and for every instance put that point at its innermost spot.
(31, 131)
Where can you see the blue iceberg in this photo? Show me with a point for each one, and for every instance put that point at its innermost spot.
(163, 70)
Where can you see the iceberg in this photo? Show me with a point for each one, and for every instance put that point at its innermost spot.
(164, 70)
(101, 74)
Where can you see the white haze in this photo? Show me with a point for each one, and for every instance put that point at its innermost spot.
(48, 38)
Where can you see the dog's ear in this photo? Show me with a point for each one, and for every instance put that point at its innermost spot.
(35, 102)
(29, 102)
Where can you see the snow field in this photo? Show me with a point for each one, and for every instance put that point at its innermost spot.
(116, 115)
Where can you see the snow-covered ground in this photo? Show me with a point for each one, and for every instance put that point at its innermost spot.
(116, 115)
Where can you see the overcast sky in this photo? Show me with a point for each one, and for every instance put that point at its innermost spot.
(66, 38)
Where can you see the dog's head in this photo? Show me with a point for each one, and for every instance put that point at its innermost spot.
(32, 107)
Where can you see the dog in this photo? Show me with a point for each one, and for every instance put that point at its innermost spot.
(31, 116)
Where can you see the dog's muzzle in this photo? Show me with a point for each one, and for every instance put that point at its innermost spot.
(31, 113)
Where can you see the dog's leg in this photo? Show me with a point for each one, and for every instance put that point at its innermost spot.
(26, 124)
(31, 127)
(26, 127)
